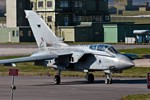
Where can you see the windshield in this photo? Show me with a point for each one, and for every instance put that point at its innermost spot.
(93, 47)
(99, 47)
(106, 48)
(112, 50)
(102, 47)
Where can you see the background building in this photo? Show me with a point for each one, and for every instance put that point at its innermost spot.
(132, 11)
(15, 15)
(58, 13)
(9, 35)
(76, 20)
(2, 22)
(121, 7)
(15, 18)
(85, 32)
(124, 32)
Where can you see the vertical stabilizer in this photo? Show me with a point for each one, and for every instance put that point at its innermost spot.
(42, 33)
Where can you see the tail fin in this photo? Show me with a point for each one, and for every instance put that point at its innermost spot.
(42, 33)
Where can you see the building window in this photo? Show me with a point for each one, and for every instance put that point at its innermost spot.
(84, 33)
(21, 33)
(50, 26)
(49, 18)
(42, 16)
(107, 18)
(77, 4)
(40, 4)
(49, 4)
(66, 21)
(63, 3)
(29, 33)
(32, 5)
(13, 33)
(97, 19)
(17, 34)
(77, 18)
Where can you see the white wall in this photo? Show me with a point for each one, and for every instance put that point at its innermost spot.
(11, 15)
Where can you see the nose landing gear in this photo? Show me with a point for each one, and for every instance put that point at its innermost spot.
(108, 79)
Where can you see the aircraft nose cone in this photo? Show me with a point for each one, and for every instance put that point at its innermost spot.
(128, 63)
(124, 62)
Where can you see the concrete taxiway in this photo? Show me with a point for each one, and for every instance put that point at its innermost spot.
(42, 88)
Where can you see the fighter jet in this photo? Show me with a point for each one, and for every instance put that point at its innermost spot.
(53, 52)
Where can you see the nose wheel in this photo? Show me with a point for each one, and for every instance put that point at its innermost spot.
(108, 79)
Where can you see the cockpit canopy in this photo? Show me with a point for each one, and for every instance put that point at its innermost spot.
(103, 47)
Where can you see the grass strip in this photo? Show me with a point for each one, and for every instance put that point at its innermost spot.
(28, 69)
(137, 97)
(139, 51)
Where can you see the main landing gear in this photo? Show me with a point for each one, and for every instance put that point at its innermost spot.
(108, 79)
(57, 78)
(90, 78)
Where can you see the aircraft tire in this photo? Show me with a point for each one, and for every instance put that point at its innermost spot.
(106, 81)
(110, 81)
(90, 78)
(57, 79)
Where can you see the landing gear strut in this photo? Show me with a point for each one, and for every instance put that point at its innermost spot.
(90, 78)
(57, 78)
(108, 79)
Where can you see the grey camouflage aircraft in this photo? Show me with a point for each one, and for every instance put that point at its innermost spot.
(53, 52)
